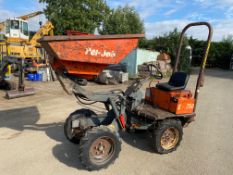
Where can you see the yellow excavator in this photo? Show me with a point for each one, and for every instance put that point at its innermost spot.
(17, 48)
(15, 40)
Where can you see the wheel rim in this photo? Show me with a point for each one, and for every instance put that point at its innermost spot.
(170, 138)
(102, 150)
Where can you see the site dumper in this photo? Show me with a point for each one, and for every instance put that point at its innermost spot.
(164, 110)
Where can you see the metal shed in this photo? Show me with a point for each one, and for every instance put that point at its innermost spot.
(138, 57)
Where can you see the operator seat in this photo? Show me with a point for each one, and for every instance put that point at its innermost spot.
(178, 81)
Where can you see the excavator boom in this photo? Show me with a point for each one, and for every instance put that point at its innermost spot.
(30, 15)
(46, 29)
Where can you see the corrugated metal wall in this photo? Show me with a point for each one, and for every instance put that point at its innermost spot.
(138, 57)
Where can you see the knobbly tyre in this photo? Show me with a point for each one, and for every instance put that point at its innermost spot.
(164, 111)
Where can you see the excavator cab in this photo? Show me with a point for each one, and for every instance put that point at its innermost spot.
(17, 28)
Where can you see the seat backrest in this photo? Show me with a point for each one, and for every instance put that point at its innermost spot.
(179, 79)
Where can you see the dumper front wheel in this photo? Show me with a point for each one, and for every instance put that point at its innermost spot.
(167, 136)
(99, 148)
(74, 134)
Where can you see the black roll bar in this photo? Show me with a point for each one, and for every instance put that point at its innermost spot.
(204, 59)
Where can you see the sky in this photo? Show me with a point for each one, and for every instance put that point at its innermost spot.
(159, 16)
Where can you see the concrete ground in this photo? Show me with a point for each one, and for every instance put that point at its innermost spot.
(32, 139)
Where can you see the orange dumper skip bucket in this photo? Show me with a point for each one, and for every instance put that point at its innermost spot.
(86, 56)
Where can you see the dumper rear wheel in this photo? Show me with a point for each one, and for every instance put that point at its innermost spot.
(99, 148)
(74, 134)
(167, 136)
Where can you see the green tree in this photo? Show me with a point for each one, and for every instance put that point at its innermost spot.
(123, 20)
(225, 49)
(81, 15)
(219, 54)
(197, 51)
(172, 42)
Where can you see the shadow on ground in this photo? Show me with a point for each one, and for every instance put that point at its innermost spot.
(141, 140)
(27, 118)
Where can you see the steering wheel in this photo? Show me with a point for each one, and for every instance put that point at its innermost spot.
(155, 71)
